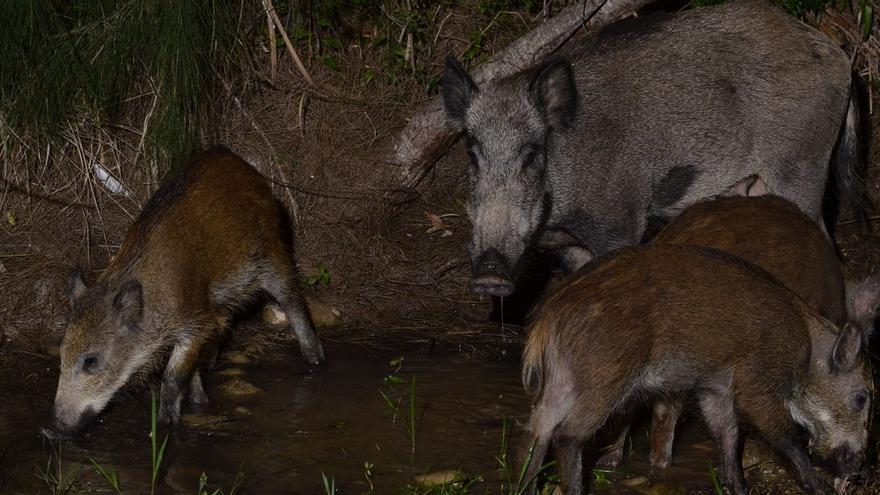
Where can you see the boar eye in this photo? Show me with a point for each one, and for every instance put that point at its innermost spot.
(528, 164)
(473, 158)
(89, 363)
(860, 400)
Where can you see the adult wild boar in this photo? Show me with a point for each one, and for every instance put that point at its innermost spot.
(775, 235)
(577, 154)
(664, 320)
(209, 242)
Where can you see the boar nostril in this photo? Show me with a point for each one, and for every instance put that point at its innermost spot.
(492, 285)
(491, 262)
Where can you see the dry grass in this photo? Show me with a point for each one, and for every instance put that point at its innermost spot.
(321, 145)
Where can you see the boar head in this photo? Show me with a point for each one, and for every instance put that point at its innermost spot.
(508, 127)
(103, 346)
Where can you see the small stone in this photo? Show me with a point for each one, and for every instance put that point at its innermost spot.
(236, 357)
(204, 421)
(242, 411)
(236, 387)
(232, 372)
(637, 481)
(439, 477)
(705, 447)
(664, 488)
(323, 315)
(273, 315)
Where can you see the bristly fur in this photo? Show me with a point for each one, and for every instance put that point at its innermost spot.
(210, 242)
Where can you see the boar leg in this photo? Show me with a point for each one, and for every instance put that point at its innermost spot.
(282, 288)
(666, 413)
(301, 326)
(720, 416)
(569, 456)
(197, 395)
(178, 374)
(789, 446)
(612, 455)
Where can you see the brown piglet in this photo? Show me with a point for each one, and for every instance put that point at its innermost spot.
(211, 241)
(775, 235)
(666, 320)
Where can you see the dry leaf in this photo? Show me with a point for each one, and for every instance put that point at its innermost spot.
(437, 223)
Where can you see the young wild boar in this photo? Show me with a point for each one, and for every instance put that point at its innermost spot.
(663, 321)
(210, 241)
(775, 235)
(577, 154)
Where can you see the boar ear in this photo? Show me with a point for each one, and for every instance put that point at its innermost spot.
(845, 353)
(75, 286)
(555, 93)
(862, 299)
(129, 303)
(458, 89)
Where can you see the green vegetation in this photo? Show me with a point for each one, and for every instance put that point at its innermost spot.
(158, 454)
(109, 474)
(58, 479)
(329, 484)
(716, 480)
(61, 480)
(320, 277)
(66, 62)
(150, 72)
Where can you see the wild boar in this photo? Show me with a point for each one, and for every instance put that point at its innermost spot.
(578, 154)
(775, 235)
(210, 241)
(665, 320)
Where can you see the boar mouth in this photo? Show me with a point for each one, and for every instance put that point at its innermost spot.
(491, 274)
(61, 429)
(844, 462)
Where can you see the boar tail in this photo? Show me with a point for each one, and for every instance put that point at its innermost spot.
(535, 358)
(849, 164)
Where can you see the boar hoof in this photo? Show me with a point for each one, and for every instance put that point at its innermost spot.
(610, 459)
(169, 411)
(659, 461)
(313, 351)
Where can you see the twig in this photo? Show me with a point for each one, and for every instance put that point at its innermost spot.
(301, 115)
(270, 11)
(273, 52)
(154, 171)
(440, 29)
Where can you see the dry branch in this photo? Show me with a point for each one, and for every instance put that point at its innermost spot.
(270, 11)
(425, 137)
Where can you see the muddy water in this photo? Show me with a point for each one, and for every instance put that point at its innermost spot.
(303, 423)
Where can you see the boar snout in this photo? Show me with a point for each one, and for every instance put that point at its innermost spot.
(491, 275)
(68, 422)
(845, 461)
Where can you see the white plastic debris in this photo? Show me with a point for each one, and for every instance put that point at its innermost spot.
(108, 181)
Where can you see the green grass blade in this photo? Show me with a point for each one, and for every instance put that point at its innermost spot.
(108, 474)
(412, 415)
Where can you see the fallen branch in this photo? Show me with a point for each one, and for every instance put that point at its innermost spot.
(425, 137)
